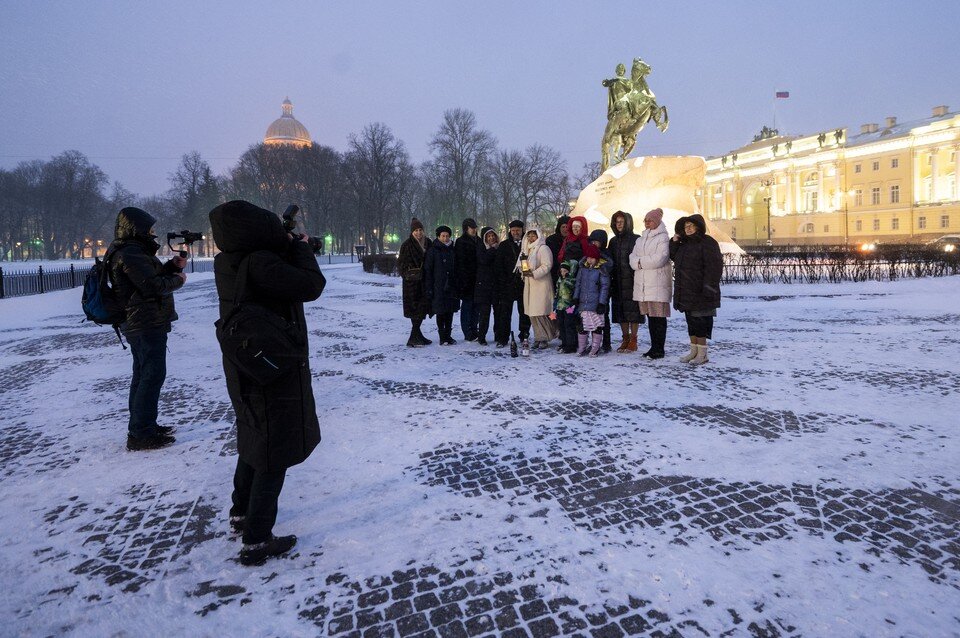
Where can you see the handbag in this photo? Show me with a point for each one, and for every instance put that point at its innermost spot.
(260, 343)
(413, 274)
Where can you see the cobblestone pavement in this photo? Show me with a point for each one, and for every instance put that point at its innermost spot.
(803, 483)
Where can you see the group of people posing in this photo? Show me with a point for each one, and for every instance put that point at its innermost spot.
(565, 285)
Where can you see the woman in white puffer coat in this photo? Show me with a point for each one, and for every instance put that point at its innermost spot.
(537, 286)
(652, 281)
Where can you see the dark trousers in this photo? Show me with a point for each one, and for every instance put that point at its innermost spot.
(568, 330)
(445, 325)
(504, 320)
(468, 319)
(483, 319)
(149, 350)
(699, 326)
(255, 496)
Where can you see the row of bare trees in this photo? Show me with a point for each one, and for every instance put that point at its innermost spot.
(64, 207)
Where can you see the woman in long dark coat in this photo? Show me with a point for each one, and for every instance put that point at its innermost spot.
(277, 425)
(484, 292)
(410, 262)
(439, 279)
(626, 311)
(698, 267)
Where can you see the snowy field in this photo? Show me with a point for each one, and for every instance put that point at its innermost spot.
(804, 482)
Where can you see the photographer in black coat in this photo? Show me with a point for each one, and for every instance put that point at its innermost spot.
(277, 424)
(146, 287)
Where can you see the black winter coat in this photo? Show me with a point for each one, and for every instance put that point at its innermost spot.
(465, 250)
(485, 292)
(698, 267)
(439, 278)
(277, 425)
(509, 284)
(145, 285)
(625, 309)
(410, 264)
(554, 242)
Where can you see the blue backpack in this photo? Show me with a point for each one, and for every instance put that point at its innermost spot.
(100, 302)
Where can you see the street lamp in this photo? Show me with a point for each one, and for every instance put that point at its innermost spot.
(766, 184)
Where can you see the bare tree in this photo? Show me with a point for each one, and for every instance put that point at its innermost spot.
(461, 152)
(374, 169)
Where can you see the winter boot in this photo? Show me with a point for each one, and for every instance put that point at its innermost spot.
(414, 341)
(257, 553)
(418, 333)
(595, 345)
(155, 442)
(623, 346)
(632, 346)
(701, 357)
(690, 356)
(582, 343)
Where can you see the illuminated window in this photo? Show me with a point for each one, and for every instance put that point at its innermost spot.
(895, 194)
(876, 224)
(894, 224)
(858, 225)
(875, 195)
(858, 197)
(944, 221)
(895, 162)
(809, 228)
(876, 165)
(921, 222)
(857, 168)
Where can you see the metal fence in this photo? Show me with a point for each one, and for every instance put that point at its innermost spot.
(17, 283)
(835, 269)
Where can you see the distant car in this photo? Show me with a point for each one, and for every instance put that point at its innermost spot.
(947, 243)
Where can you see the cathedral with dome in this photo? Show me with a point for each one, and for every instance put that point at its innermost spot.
(286, 130)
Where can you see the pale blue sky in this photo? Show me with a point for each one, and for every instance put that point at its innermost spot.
(134, 85)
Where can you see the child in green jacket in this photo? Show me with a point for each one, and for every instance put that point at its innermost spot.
(563, 308)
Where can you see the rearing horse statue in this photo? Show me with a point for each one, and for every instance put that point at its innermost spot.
(630, 105)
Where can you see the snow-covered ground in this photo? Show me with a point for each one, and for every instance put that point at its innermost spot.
(804, 482)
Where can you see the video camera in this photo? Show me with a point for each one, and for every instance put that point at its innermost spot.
(290, 225)
(187, 237)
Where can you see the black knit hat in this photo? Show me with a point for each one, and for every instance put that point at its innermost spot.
(444, 229)
(415, 224)
(516, 224)
(469, 222)
(600, 236)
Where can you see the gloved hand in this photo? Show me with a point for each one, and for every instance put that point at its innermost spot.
(571, 310)
(601, 309)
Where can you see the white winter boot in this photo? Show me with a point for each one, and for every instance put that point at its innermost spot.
(690, 356)
(701, 356)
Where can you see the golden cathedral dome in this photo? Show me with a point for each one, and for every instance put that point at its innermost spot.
(287, 130)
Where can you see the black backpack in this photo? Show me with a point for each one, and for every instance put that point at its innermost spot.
(100, 302)
(260, 343)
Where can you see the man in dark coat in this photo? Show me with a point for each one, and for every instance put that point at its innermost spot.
(146, 287)
(626, 311)
(465, 251)
(410, 261)
(439, 280)
(554, 242)
(277, 424)
(698, 268)
(484, 292)
(509, 285)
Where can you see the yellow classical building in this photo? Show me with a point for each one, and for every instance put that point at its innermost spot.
(891, 184)
(286, 130)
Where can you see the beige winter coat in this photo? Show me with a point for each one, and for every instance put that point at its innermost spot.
(651, 261)
(538, 289)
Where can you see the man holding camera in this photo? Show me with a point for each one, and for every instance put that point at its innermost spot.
(272, 273)
(146, 288)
